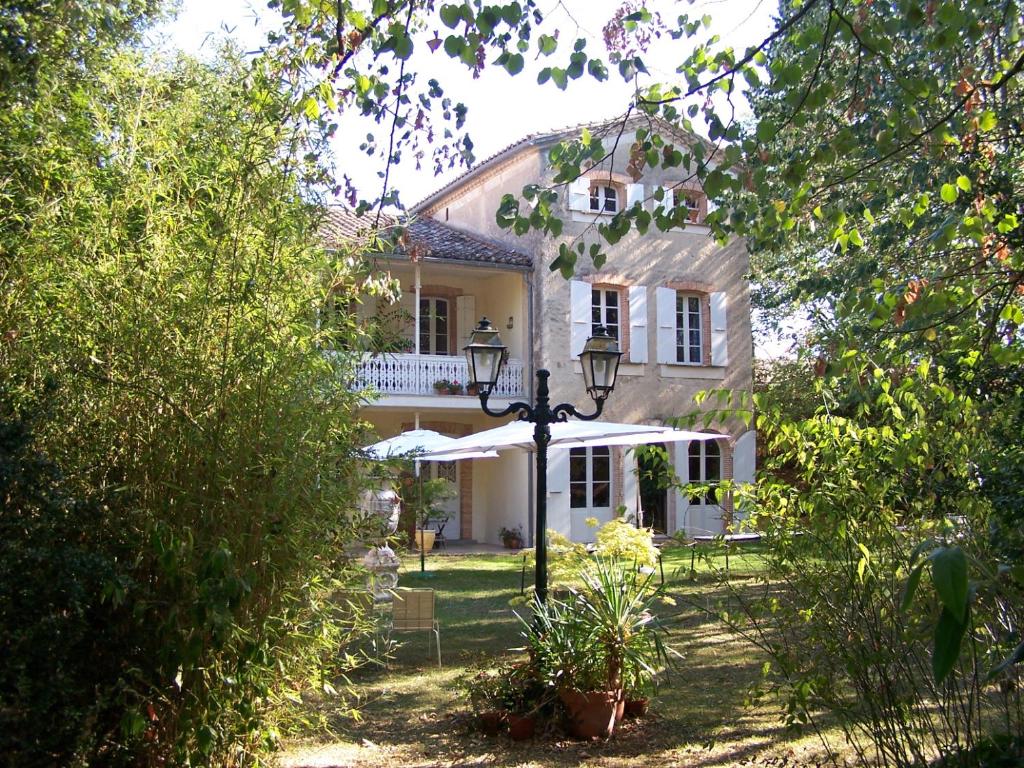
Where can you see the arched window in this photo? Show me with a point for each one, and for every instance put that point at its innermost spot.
(705, 468)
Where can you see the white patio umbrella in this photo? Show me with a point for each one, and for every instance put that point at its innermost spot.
(665, 435)
(518, 435)
(416, 443)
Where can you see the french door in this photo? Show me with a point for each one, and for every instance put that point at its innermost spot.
(434, 326)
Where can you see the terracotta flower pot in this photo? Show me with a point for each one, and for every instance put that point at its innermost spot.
(491, 722)
(521, 727)
(637, 707)
(592, 714)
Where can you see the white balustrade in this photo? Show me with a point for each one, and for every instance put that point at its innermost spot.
(409, 374)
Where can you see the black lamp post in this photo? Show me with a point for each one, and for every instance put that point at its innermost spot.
(485, 355)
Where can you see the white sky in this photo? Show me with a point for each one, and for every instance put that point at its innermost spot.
(502, 109)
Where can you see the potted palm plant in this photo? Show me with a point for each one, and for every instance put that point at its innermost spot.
(586, 643)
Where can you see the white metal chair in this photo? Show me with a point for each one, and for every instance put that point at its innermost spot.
(412, 610)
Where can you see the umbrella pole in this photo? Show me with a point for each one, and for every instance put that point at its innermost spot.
(422, 535)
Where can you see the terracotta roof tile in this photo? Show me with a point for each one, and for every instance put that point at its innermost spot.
(429, 238)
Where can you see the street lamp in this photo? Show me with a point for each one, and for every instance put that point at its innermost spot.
(485, 355)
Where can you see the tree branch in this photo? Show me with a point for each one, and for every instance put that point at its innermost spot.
(751, 53)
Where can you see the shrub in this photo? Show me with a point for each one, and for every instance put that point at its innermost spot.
(158, 321)
(618, 540)
(887, 605)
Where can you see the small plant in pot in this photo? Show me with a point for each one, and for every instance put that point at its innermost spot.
(526, 696)
(638, 687)
(512, 538)
(441, 386)
(487, 693)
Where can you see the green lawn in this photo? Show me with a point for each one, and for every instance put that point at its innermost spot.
(412, 714)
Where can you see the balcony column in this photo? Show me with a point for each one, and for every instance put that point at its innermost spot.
(416, 328)
(416, 290)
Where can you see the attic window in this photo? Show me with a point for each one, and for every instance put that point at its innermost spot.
(604, 198)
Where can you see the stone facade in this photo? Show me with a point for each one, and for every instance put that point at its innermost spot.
(646, 270)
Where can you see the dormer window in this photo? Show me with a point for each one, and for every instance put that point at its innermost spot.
(603, 198)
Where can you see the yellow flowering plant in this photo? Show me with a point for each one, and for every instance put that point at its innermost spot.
(618, 540)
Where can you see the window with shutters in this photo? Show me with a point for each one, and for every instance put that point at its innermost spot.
(605, 306)
(604, 197)
(705, 468)
(590, 477)
(689, 329)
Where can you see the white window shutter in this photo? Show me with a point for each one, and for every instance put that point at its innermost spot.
(719, 330)
(579, 194)
(744, 457)
(634, 194)
(665, 298)
(579, 318)
(407, 303)
(630, 486)
(559, 518)
(681, 462)
(637, 324)
(465, 308)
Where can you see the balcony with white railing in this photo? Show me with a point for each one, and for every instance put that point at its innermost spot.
(411, 374)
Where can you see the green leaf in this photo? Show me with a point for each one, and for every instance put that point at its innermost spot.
(451, 15)
(547, 44)
(948, 635)
(949, 575)
(766, 130)
(987, 120)
(311, 108)
(911, 587)
(964, 183)
(514, 65)
(597, 69)
(453, 45)
(949, 193)
(402, 47)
